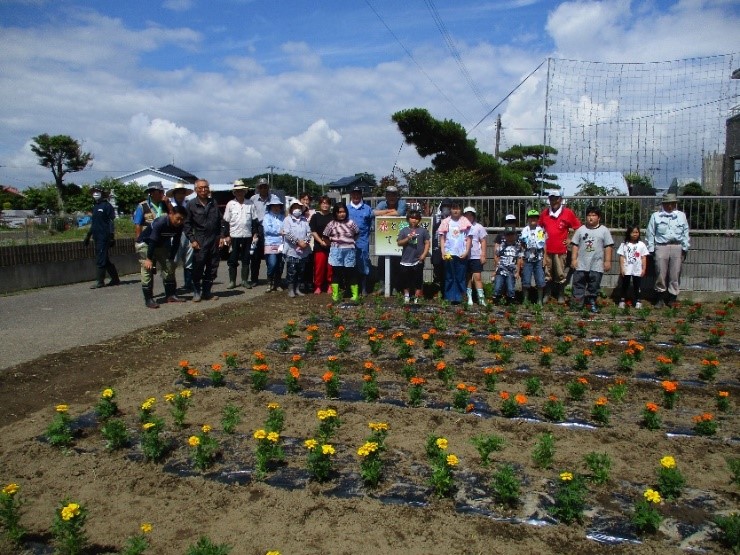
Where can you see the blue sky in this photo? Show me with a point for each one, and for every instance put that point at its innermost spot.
(228, 87)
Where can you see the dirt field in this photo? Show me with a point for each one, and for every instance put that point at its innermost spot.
(293, 514)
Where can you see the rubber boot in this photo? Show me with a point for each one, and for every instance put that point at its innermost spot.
(196, 293)
(481, 297)
(298, 291)
(469, 291)
(99, 278)
(355, 292)
(335, 296)
(291, 290)
(232, 278)
(659, 302)
(540, 292)
(206, 295)
(114, 279)
(188, 275)
(170, 292)
(245, 277)
(149, 296)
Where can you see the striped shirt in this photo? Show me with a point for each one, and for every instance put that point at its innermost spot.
(342, 234)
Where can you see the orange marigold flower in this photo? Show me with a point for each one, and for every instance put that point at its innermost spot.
(340, 328)
(409, 342)
(295, 358)
(216, 367)
(587, 352)
(410, 361)
(425, 336)
(368, 365)
(469, 407)
(337, 335)
(705, 417)
(192, 372)
(371, 331)
(504, 395)
(432, 331)
(583, 380)
(440, 344)
(619, 381)
(472, 389)
(183, 364)
(488, 371)
(552, 397)
(258, 355)
(630, 352)
(441, 365)
(417, 380)
(520, 398)
(651, 407)
(546, 350)
(669, 387)
(327, 376)
(294, 372)
(494, 337)
(723, 394)
(664, 359)
(461, 386)
(367, 377)
(567, 339)
(312, 328)
(601, 401)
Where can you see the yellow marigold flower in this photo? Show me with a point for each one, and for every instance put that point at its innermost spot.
(194, 441)
(310, 443)
(145, 528)
(566, 476)
(378, 426)
(70, 511)
(331, 413)
(327, 449)
(272, 553)
(441, 443)
(148, 426)
(273, 437)
(11, 489)
(273, 406)
(148, 404)
(668, 462)
(652, 496)
(260, 434)
(186, 393)
(206, 428)
(61, 408)
(107, 393)
(452, 460)
(169, 397)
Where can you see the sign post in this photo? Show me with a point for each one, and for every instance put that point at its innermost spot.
(386, 235)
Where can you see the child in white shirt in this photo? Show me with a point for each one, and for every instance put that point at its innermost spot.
(632, 264)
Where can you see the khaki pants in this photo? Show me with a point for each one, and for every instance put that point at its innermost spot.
(668, 260)
(162, 263)
(555, 270)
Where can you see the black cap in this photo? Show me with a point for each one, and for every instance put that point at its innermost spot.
(356, 189)
(445, 202)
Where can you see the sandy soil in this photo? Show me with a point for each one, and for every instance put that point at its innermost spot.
(289, 513)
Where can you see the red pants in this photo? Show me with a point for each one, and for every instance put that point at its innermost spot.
(321, 270)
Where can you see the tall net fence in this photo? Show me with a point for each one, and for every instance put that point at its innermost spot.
(658, 119)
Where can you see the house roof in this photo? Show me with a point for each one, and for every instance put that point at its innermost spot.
(11, 190)
(166, 174)
(345, 183)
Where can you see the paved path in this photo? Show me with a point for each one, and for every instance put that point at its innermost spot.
(44, 321)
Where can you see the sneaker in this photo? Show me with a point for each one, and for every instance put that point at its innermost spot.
(151, 303)
(621, 304)
(317, 291)
(470, 301)
(482, 302)
(638, 304)
(175, 299)
(416, 300)
(252, 284)
(196, 296)
(406, 300)
(660, 303)
(593, 308)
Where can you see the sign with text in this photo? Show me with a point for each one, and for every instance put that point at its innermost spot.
(386, 233)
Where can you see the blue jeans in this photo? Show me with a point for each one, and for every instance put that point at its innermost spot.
(274, 265)
(533, 267)
(507, 282)
(586, 285)
(295, 270)
(456, 271)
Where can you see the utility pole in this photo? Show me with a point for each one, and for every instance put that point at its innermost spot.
(269, 180)
(498, 136)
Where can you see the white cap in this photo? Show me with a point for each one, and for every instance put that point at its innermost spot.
(555, 193)
(469, 209)
(510, 218)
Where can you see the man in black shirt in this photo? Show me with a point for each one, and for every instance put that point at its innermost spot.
(157, 246)
(102, 230)
(203, 230)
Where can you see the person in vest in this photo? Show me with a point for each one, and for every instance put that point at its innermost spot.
(261, 199)
(177, 196)
(203, 229)
(150, 209)
(239, 226)
(102, 230)
(157, 247)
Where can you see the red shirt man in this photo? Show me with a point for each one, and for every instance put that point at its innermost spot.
(557, 221)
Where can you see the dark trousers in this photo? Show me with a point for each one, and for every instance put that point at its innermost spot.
(258, 255)
(636, 281)
(586, 285)
(455, 273)
(411, 277)
(296, 267)
(205, 265)
(240, 252)
(102, 256)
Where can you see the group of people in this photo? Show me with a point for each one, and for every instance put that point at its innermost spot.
(328, 248)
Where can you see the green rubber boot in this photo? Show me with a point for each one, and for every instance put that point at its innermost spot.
(355, 292)
(335, 296)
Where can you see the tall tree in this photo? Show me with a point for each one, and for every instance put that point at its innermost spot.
(451, 151)
(62, 155)
(531, 162)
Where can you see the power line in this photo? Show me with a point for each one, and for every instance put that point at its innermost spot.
(411, 56)
(454, 51)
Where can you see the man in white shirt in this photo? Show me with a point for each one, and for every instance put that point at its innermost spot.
(240, 225)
